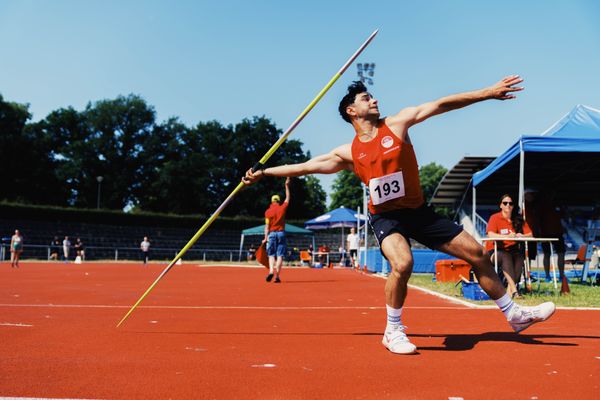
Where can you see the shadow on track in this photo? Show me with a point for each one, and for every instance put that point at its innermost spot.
(462, 342)
(452, 342)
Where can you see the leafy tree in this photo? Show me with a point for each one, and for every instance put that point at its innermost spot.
(311, 198)
(199, 167)
(13, 149)
(26, 161)
(169, 170)
(66, 135)
(166, 167)
(430, 176)
(347, 191)
(251, 139)
(118, 128)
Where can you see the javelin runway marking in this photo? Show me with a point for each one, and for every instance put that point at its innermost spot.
(19, 324)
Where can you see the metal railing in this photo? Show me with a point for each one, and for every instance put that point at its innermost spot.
(42, 252)
(94, 253)
(480, 225)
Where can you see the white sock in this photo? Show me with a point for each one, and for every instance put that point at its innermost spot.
(393, 318)
(505, 304)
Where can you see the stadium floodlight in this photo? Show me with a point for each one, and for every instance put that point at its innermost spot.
(366, 71)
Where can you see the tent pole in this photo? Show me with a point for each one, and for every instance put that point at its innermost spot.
(342, 246)
(474, 211)
(358, 233)
(366, 230)
(312, 261)
(241, 247)
(521, 175)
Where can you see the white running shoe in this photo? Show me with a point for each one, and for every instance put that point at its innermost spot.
(521, 317)
(395, 340)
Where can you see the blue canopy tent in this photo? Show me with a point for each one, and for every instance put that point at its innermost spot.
(260, 230)
(339, 218)
(564, 160)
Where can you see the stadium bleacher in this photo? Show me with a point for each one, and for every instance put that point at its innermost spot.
(118, 241)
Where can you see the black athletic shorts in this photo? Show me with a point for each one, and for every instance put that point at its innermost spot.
(421, 224)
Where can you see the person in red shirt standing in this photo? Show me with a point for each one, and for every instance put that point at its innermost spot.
(382, 156)
(508, 223)
(275, 233)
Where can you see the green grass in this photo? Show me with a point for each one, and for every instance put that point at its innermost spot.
(580, 296)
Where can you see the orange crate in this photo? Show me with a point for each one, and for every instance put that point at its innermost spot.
(450, 270)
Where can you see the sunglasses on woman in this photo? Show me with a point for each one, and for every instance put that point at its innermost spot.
(507, 203)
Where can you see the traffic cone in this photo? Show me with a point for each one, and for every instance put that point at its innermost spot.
(564, 288)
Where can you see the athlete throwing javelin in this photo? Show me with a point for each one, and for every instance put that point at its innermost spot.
(382, 156)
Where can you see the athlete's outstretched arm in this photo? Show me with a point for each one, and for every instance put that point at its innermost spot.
(413, 115)
(332, 162)
(287, 190)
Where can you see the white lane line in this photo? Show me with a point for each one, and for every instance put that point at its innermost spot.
(468, 307)
(228, 307)
(18, 324)
(37, 398)
(451, 299)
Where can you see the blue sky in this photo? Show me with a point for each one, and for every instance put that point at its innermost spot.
(228, 60)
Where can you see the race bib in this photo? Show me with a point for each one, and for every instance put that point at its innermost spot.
(386, 188)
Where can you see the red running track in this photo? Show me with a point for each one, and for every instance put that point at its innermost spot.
(224, 333)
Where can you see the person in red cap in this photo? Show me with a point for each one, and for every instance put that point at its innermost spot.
(275, 233)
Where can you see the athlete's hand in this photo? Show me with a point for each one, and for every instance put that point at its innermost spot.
(503, 89)
(252, 177)
(287, 181)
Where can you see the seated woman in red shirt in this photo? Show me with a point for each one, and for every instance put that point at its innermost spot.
(508, 223)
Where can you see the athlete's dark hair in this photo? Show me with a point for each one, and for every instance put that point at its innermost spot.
(355, 88)
(515, 216)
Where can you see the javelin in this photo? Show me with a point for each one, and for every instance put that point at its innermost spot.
(257, 166)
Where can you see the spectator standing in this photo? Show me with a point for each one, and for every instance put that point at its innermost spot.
(66, 245)
(54, 248)
(145, 249)
(275, 233)
(79, 249)
(353, 242)
(16, 248)
(508, 223)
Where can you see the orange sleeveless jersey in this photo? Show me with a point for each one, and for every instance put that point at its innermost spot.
(388, 166)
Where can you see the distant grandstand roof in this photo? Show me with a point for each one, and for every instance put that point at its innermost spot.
(455, 183)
